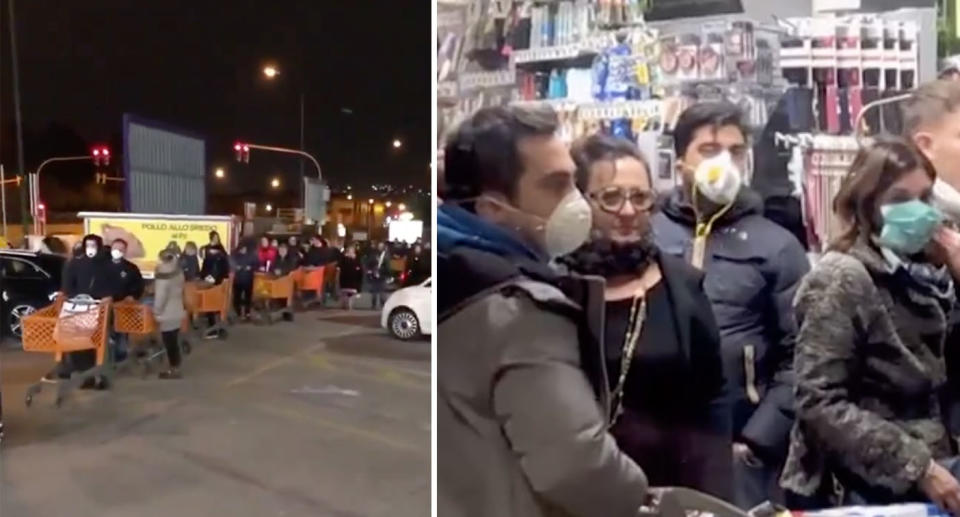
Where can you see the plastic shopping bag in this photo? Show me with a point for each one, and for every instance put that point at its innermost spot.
(77, 323)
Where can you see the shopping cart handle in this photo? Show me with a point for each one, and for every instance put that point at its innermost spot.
(676, 502)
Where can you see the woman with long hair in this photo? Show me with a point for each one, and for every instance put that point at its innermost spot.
(873, 318)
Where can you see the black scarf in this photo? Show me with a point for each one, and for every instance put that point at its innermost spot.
(607, 258)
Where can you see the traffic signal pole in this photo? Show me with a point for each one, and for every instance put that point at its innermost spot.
(243, 154)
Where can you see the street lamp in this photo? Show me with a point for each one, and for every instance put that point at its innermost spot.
(219, 172)
(349, 197)
(402, 207)
(370, 201)
(270, 71)
(269, 207)
(275, 183)
(397, 144)
(389, 204)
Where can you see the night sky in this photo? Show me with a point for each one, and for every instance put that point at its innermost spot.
(197, 65)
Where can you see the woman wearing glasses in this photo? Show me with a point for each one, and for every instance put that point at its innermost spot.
(661, 342)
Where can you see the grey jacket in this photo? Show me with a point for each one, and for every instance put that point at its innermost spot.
(869, 366)
(168, 296)
(519, 430)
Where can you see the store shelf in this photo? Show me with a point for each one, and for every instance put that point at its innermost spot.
(560, 52)
(562, 105)
(620, 109)
(474, 80)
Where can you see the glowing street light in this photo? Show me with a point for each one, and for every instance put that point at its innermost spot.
(269, 207)
(349, 197)
(402, 207)
(397, 144)
(275, 183)
(370, 201)
(219, 172)
(270, 71)
(389, 204)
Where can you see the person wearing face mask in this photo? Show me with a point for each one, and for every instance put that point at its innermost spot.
(522, 395)
(266, 254)
(89, 274)
(870, 349)
(671, 413)
(189, 262)
(126, 281)
(752, 267)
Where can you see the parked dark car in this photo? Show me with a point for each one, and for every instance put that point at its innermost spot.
(28, 281)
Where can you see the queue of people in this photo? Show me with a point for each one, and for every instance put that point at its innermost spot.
(597, 337)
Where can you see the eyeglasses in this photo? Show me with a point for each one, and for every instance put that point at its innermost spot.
(613, 199)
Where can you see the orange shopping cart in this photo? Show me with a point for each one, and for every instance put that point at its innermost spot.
(269, 292)
(202, 299)
(137, 322)
(66, 326)
(310, 280)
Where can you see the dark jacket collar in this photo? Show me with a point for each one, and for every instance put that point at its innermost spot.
(676, 206)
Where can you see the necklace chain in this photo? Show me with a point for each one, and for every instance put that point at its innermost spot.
(638, 315)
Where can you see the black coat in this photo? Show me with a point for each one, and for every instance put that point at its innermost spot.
(190, 265)
(351, 273)
(90, 276)
(125, 280)
(377, 272)
(285, 265)
(217, 266)
(698, 435)
(245, 265)
(418, 269)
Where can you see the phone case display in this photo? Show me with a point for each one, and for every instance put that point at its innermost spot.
(721, 52)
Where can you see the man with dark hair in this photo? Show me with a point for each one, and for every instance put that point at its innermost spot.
(752, 268)
(126, 281)
(522, 411)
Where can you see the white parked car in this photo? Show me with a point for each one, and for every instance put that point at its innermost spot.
(408, 313)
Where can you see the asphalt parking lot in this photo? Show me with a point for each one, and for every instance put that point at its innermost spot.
(326, 416)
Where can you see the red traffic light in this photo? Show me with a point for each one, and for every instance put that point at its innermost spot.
(101, 156)
(243, 152)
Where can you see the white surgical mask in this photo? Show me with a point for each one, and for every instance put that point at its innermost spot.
(568, 226)
(947, 199)
(718, 179)
(91, 252)
(116, 254)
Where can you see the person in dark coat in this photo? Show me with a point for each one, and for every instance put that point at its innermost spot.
(189, 262)
(417, 268)
(672, 416)
(245, 264)
(752, 269)
(214, 241)
(318, 254)
(351, 276)
(216, 269)
(88, 274)
(287, 261)
(377, 269)
(126, 281)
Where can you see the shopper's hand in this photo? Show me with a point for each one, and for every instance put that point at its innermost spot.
(946, 249)
(743, 454)
(942, 488)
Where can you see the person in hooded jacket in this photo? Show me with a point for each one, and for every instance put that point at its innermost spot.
(245, 265)
(189, 262)
(522, 396)
(752, 268)
(168, 309)
(88, 274)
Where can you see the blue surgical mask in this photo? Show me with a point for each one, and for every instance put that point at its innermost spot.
(909, 226)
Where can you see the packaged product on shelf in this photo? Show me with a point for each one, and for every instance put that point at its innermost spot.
(711, 57)
(688, 51)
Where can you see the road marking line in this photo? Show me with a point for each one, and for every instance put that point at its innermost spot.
(383, 375)
(343, 428)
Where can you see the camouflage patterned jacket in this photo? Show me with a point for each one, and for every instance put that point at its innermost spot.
(869, 366)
